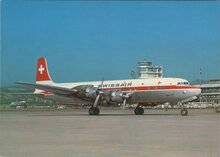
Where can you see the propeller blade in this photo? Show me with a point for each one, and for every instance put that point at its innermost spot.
(99, 93)
(96, 101)
(124, 104)
(100, 87)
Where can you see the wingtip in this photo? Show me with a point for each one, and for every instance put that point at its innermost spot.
(19, 82)
(22, 83)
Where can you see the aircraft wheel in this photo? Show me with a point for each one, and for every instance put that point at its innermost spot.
(94, 111)
(184, 112)
(139, 111)
(97, 111)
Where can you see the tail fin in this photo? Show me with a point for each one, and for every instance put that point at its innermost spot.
(42, 71)
(42, 76)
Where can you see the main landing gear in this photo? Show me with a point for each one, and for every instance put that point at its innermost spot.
(94, 111)
(139, 110)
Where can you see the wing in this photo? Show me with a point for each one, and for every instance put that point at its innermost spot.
(49, 88)
(84, 92)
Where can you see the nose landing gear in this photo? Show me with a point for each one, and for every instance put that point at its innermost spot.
(184, 112)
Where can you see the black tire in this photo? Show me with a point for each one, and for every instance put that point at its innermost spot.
(97, 111)
(94, 111)
(139, 111)
(91, 111)
(184, 112)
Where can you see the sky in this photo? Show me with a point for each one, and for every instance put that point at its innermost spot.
(91, 40)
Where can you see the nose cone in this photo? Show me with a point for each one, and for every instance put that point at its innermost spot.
(197, 91)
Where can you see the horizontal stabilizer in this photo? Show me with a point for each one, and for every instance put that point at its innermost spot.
(28, 94)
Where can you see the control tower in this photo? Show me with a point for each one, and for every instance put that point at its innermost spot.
(147, 70)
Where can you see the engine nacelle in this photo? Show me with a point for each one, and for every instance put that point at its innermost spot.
(117, 96)
(91, 92)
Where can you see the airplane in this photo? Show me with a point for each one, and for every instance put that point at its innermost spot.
(143, 92)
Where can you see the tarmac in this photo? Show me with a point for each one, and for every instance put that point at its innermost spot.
(114, 133)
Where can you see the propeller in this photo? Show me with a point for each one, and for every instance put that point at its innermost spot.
(124, 103)
(125, 97)
(99, 92)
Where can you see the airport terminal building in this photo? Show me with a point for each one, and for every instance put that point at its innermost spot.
(210, 92)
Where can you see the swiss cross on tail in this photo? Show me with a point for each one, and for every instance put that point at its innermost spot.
(42, 71)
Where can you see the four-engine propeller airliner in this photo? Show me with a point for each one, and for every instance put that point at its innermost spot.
(143, 92)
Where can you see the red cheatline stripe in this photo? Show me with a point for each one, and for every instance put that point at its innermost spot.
(143, 88)
(151, 88)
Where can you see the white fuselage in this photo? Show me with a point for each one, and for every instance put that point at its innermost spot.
(145, 91)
